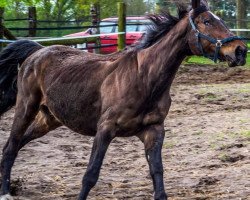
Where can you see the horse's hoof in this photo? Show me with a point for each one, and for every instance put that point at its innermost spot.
(6, 197)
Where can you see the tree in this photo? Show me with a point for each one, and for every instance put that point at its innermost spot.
(3, 3)
(162, 4)
(150, 5)
(234, 12)
(136, 7)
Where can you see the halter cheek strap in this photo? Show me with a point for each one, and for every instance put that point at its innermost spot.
(217, 42)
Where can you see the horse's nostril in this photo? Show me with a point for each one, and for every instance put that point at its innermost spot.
(240, 54)
(240, 51)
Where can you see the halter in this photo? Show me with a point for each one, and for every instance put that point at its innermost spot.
(218, 42)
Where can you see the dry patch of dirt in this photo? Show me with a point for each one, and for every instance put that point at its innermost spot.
(205, 153)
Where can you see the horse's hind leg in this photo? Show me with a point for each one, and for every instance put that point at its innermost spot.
(43, 123)
(26, 110)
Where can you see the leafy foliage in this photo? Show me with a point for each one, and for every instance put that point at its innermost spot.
(136, 7)
(3, 3)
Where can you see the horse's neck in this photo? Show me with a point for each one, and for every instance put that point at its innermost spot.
(161, 61)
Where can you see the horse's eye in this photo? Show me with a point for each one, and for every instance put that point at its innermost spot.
(207, 22)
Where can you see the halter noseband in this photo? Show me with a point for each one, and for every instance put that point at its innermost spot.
(218, 42)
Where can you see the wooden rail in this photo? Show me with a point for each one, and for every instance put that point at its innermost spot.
(65, 40)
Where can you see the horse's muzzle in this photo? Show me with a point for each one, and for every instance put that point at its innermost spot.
(238, 58)
(241, 55)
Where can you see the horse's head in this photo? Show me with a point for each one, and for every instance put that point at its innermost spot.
(211, 38)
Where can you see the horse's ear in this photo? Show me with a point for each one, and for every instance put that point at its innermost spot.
(204, 3)
(195, 3)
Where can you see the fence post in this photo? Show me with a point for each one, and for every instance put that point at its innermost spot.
(121, 25)
(32, 21)
(1, 27)
(95, 14)
(241, 15)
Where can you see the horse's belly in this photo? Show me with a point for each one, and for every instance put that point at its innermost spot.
(80, 122)
(78, 115)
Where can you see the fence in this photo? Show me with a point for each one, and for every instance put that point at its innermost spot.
(95, 15)
(33, 27)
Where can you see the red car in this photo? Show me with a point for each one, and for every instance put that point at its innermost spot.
(135, 28)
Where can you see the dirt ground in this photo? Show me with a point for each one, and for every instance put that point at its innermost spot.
(205, 154)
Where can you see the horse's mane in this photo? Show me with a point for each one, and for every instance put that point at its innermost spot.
(161, 24)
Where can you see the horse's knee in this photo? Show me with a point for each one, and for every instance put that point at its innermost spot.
(152, 137)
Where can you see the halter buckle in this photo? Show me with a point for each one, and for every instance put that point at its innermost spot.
(218, 43)
(197, 32)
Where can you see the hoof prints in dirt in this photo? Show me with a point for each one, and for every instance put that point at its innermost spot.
(231, 158)
(203, 184)
(67, 148)
(239, 145)
(227, 157)
(207, 181)
(213, 166)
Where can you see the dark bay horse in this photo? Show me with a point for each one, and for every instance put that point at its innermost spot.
(122, 95)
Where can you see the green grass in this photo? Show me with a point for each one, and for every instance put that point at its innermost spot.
(205, 61)
(169, 145)
(246, 133)
(223, 157)
(198, 133)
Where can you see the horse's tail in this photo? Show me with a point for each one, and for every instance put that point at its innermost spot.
(10, 59)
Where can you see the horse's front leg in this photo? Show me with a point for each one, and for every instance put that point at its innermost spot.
(100, 146)
(153, 140)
